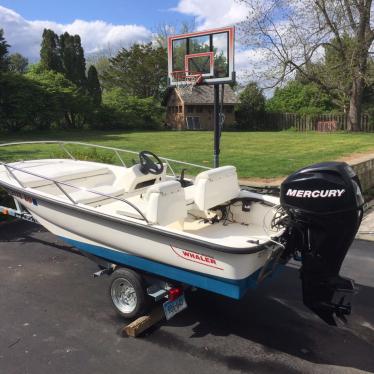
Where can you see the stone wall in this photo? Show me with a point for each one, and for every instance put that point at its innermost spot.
(364, 168)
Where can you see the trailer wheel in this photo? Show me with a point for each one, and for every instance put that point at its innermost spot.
(128, 293)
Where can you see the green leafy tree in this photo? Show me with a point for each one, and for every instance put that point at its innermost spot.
(71, 104)
(140, 70)
(297, 97)
(3, 52)
(65, 55)
(50, 57)
(72, 58)
(93, 85)
(101, 64)
(25, 103)
(133, 112)
(251, 107)
(18, 63)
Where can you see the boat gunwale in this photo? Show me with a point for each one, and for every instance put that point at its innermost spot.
(144, 226)
(147, 225)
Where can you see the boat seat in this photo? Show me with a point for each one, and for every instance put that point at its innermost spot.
(213, 187)
(166, 203)
(190, 194)
(162, 204)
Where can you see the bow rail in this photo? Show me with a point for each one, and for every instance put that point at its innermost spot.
(115, 150)
(60, 185)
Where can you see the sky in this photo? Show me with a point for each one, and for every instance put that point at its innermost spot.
(108, 24)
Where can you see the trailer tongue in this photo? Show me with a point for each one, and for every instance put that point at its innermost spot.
(324, 203)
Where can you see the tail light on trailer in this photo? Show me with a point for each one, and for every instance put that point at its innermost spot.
(174, 293)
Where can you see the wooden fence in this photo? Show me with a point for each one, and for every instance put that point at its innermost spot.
(321, 122)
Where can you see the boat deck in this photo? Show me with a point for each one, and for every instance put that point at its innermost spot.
(224, 233)
(79, 179)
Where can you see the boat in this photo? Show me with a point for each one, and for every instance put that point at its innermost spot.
(149, 222)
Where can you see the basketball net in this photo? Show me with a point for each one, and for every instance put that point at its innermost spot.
(185, 81)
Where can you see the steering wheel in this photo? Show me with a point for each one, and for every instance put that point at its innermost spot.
(147, 165)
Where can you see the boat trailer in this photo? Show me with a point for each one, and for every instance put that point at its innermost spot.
(141, 287)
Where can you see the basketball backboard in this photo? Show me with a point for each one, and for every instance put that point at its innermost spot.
(208, 54)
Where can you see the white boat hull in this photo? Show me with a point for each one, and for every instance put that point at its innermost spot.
(114, 241)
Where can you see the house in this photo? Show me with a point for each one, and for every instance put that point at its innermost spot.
(195, 111)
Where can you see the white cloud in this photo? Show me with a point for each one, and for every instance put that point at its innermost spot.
(250, 65)
(213, 13)
(24, 36)
(217, 13)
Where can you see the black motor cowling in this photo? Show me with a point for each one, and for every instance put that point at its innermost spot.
(324, 203)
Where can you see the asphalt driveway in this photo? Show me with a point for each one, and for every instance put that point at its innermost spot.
(55, 318)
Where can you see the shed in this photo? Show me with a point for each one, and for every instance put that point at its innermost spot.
(195, 110)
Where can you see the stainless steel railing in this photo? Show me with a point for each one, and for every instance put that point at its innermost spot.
(59, 185)
(116, 151)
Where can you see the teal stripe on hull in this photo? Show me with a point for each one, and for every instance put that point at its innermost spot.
(226, 287)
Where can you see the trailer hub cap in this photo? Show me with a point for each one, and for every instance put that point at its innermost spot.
(124, 295)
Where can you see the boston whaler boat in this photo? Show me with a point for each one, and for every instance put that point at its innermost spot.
(158, 233)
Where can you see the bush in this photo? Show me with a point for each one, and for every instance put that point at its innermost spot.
(24, 103)
(71, 105)
(251, 108)
(131, 112)
(297, 97)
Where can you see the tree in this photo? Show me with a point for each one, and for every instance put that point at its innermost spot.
(25, 103)
(50, 57)
(293, 33)
(71, 103)
(72, 59)
(133, 112)
(140, 70)
(65, 55)
(93, 85)
(18, 63)
(3, 52)
(164, 30)
(101, 63)
(299, 97)
(251, 107)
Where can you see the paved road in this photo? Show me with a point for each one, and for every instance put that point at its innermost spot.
(56, 318)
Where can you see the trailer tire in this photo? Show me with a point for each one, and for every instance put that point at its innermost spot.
(128, 294)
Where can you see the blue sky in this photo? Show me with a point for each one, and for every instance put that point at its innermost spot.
(105, 26)
(145, 12)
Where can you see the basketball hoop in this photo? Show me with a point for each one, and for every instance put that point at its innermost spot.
(185, 81)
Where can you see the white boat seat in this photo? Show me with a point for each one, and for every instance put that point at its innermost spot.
(86, 197)
(213, 187)
(190, 194)
(165, 203)
(162, 204)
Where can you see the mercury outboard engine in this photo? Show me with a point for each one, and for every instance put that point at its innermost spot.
(324, 204)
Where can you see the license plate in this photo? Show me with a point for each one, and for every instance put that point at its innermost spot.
(171, 308)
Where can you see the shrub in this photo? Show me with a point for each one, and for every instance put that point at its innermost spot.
(131, 112)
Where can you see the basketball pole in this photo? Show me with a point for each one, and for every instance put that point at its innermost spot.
(217, 126)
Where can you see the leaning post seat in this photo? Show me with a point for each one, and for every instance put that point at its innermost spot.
(165, 203)
(215, 186)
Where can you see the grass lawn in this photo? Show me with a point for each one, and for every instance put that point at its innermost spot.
(255, 154)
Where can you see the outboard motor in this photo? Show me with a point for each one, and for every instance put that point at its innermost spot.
(324, 203)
